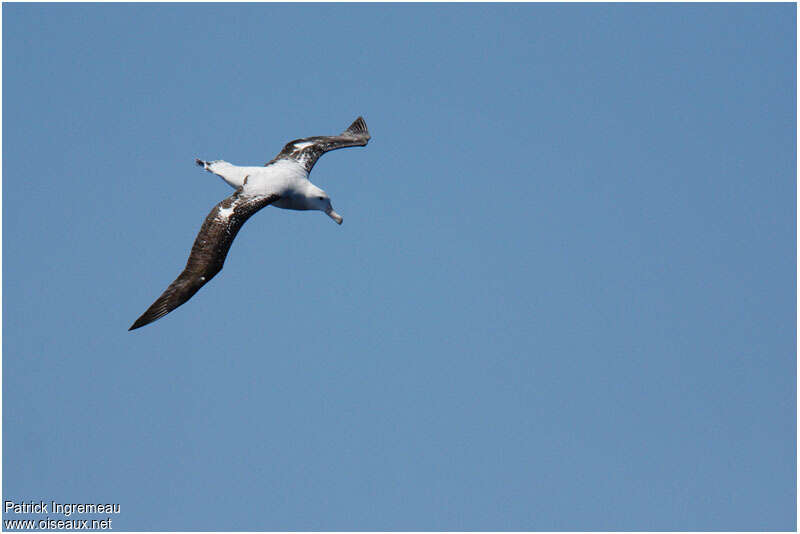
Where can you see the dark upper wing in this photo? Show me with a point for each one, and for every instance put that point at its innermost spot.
(208, 252)
(308, 150)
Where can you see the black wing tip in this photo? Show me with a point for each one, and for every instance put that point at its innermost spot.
(359, 127)
(156, 311)
(138, 324)
(144, 320)
(200, 162)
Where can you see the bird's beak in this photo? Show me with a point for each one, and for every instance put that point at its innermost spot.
(335, 216)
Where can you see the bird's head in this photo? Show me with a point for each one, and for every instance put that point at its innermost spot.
(319, 200)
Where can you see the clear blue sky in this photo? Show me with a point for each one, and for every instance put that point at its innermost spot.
(563, 296)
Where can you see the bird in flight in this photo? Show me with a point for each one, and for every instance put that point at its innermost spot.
(283, 182)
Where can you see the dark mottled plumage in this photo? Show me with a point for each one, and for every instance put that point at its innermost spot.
(282, 182)
(355, 135)
(208, 252)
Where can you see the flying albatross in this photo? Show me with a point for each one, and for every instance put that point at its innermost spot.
(283, 182)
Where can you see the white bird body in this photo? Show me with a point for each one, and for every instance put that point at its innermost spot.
(283, 182)
(286, 178)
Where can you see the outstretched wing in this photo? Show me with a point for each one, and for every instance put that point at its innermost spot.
(307, 151)
(208, 252)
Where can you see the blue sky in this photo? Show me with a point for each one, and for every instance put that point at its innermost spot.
(563, 296)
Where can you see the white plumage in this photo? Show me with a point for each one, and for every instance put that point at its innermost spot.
(283, 182)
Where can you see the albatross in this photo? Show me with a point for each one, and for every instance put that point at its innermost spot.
(283, 182)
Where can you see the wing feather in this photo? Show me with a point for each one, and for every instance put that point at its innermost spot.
(308, 149)
(208, 253)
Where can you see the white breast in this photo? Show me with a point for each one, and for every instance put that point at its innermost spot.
(283, 177)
